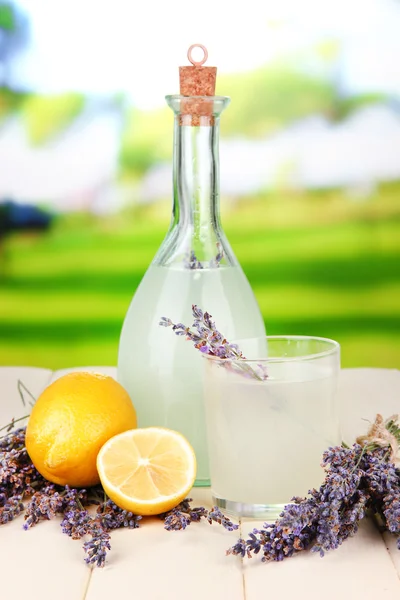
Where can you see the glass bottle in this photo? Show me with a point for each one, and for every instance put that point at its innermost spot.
(194, 265)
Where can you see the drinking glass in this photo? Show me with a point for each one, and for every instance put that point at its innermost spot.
(269, 419)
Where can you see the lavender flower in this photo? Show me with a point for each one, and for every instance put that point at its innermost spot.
(165, 322)
(335, 495)
(274, 542)
(176, 520)
(96, 548)
(381, 475)
(391, 510)
(241, 548)
(17, 473)
(182, 515)
(11, 508)
(76, 523)
(210, 341)
(110, 516)
(352, 514)
(216, 515)
(196, 514)
(297, 517)
(75, 497)
(191, 261)
(13, 441)
(43, 505)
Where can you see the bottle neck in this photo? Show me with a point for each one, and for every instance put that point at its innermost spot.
(196, 176)
(195, 239)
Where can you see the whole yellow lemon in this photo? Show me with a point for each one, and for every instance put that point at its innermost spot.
(70, 422)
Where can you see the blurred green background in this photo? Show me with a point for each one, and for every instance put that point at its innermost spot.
(320, 244)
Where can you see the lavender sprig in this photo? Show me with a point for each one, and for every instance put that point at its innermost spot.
(11, 507)
(208, 340)
(357, 479)
(76, 522)
(17, 473)
(96, 548)
(391, 512)
(192, 262)
(176, 520)
(216, 516)
(13, 441)
(110, 516)
(45, 504)
(182, 515)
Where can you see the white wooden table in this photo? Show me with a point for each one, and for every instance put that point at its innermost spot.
(150, 563)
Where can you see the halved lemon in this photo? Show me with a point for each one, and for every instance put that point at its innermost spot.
(147, 471)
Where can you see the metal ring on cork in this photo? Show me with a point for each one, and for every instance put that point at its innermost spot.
(196, 63)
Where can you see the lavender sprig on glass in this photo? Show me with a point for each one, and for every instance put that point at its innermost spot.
(208, 340)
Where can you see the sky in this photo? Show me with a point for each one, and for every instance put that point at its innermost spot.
(107, 46)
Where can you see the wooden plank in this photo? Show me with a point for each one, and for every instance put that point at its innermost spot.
(360, 568)
(391, 545)
(41, 563)
(154, 564)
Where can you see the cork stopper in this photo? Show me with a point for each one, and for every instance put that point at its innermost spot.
(197, 81)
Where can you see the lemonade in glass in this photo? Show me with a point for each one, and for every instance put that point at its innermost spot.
(266, 437)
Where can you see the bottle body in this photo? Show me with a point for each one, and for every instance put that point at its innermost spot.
(163, 372)
(194, 265)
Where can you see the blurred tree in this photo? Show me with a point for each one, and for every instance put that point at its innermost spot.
(326, 60)
(9, 101)
(47, 116)
(270, 98)
(147, 139)
(14, 35)
(20, 217)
